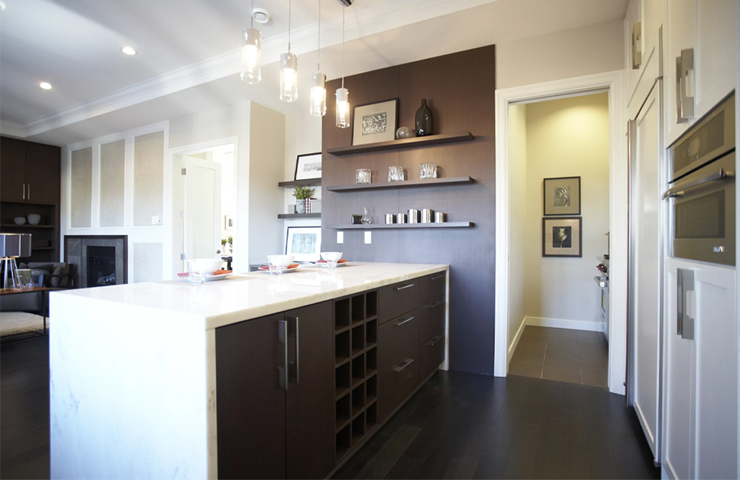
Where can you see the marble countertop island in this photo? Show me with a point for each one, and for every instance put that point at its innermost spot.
(133, 375)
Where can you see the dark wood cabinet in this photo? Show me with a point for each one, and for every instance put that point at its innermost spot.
(397, 338)
(397, 299)
(12, 170)
(275, 420)
(29, 172)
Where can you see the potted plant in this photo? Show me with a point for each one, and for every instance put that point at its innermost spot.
(303, 199)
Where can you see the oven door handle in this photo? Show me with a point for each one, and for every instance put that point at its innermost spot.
(678, 190)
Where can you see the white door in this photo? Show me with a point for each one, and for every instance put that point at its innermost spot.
(645, 281)
(199, 209)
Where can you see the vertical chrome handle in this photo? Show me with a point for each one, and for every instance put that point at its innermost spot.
(636, 50)
(24, 191)
(283, 371)
(685, 284)
(684, 80)
(295, 365)
(679, 302)
(29, 192)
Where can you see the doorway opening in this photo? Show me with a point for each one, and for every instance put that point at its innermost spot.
(204, 204)
(559, 216)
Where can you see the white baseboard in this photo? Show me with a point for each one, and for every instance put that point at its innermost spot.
(515, 342)
(563, 323)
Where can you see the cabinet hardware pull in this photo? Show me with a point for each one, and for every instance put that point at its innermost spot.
(29, 192)
(24, 191)
(297, 350)
(283, 371)
(409, 361)
(436, 341)
(678, 190)
(438, 277)
(405, 287)
(684, 284)
(684, 70)
(405, 321)
(435, 305)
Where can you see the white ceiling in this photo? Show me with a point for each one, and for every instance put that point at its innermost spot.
(188, 52)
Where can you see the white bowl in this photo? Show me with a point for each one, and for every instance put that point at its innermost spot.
(331, 256)
(210, 265)
(20, 220)
(280, 260)
(34, 218)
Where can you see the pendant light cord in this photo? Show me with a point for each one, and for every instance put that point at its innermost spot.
(290, 7)
(251, 16)
(343, 46)
(318, 50)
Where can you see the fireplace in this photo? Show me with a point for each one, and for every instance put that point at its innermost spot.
(100, 259)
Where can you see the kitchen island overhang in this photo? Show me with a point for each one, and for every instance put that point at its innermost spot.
(133, 369)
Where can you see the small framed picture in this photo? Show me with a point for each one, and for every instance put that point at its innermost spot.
(562, 196)
(228, 222)
(304, 243)
(561, 237)
(308, 166)
(375, 122)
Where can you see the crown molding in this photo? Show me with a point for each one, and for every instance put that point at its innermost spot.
(360, 23)
(12, 129)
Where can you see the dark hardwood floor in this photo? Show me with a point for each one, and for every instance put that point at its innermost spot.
(457, 426)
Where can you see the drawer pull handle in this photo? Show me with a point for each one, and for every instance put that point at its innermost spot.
(408, 362)
(435, 305)
(436, 341)
(405, 321)
(438, 277)
(405, 287)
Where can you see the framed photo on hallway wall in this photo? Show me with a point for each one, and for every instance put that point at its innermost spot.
(561, 237)
(562, 196)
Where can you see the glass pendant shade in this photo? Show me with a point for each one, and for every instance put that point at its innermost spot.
(288, 77)
(343, 120)
(251, 56)
(318, 95)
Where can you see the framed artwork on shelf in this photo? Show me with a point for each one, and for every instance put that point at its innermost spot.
(304, 243)
(562, 196)
(561, 237)
(375, 122)
(308, 166)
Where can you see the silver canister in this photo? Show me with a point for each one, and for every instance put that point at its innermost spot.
(439, 217)
(427, 215)
(390, 218)
(401, 218)
(413, 215)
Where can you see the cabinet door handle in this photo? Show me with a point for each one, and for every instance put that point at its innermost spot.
(436, 341)
(404, 321)
(408, 362)
(405, 287)
(684, 73)
(438, 277)
(684, 284)
(296, 366)
(29, 192)
(24, 191)
(283, 371)
(435, 305)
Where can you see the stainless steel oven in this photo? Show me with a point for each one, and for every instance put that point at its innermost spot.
(703, 189)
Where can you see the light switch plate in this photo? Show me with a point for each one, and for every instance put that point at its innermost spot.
(340, 237)
(156, 220)
(368, 238)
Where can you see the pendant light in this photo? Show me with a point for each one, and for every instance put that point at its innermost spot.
(289, 70)
(342, 94)
(251, 52)
(318, 90)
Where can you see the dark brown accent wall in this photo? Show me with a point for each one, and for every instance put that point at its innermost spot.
(459, 89)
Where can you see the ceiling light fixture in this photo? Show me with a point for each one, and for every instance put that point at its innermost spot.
(128, 50)
(45, 85)
(260, 15)
(251, 53)
(318, 88)
(342, 94)
(289, 69)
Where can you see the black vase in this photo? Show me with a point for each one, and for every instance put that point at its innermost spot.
(424, 120)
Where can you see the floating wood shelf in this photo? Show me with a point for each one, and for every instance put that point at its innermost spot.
(298, 215)
(404, 143)
(390, 226)
(301, 183)
(430, 182)
(25, 225)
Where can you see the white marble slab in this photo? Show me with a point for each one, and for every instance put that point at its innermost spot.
(133, 367)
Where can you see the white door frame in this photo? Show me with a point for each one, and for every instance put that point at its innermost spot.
(614, 83)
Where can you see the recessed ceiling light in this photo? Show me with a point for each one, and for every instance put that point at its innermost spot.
(261, 15)
(45, 85)
(128, 50)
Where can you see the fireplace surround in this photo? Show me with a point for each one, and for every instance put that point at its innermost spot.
(100, 259)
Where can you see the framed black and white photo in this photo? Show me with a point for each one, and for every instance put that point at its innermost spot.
(562, 196)
(375, 122)
(308, 166)
(304, 243)
(561, 237)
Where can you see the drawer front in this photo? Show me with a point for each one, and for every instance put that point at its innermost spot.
(431, 320)
(397, 338)
(397, 383)
(433, 288)
(397, 299)
(431, 354)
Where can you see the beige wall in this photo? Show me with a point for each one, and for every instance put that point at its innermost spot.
(560, 55)
(517, 216)
(567, 137)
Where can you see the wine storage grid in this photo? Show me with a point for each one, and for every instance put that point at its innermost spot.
(355, 370)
